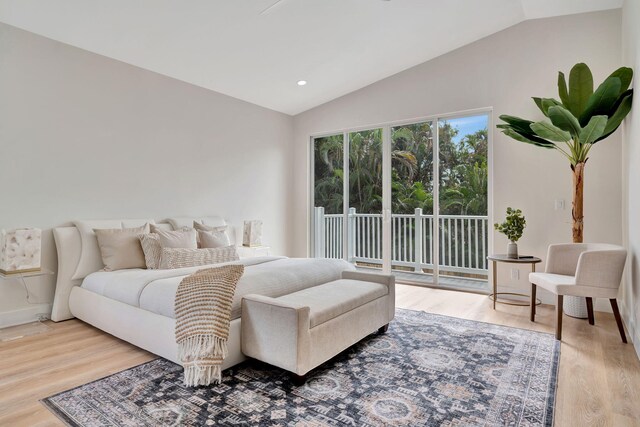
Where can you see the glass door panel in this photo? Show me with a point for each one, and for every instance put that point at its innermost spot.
(364, 223)
(328, 182)
(407, 198)
(412, 201)
(463, 202)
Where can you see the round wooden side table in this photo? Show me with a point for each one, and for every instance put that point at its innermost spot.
(523, 259)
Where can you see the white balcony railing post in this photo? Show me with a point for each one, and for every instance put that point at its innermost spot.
(352, 235)
(319, 237)
(417, 241)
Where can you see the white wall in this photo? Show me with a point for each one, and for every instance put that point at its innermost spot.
(83, 136)
(630, 306)
(502, 71)
(86, 137)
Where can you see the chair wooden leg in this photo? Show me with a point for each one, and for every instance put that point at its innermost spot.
(559, 317)
(533, 302)
(616, 313)
(592, 319)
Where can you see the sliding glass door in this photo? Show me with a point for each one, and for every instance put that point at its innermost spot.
(328, 190)
(463, 227)
(412, 221)
(364, 217)
(408, 198)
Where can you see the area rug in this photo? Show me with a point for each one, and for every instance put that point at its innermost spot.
(427, 370)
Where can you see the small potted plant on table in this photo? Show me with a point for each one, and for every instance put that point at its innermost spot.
(512, 227)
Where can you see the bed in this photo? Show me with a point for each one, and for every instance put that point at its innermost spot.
(136, 305)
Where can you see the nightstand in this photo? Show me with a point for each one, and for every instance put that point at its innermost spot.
(21, 276)
(32, 328)
(253, 251)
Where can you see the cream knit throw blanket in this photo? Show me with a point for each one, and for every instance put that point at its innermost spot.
(203, 314)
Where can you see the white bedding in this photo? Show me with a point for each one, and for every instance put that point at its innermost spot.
(154, 290)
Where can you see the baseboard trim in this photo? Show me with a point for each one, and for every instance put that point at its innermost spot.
(632, 329)
(24, 315)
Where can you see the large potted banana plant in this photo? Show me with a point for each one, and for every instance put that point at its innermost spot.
(575, 123)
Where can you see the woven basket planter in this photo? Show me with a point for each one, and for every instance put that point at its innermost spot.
(575, 307)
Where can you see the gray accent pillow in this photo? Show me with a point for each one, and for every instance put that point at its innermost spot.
(120, 247)
(213, 239)
(204, 227)
(212, 236)
(182, 257)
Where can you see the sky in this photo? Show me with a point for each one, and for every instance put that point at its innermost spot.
(467, 125)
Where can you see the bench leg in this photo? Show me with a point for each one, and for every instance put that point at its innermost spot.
(298, 380)
(383, 329)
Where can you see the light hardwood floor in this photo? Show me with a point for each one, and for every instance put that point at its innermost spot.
(599, 382)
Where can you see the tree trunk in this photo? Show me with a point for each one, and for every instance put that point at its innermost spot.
(577, 211)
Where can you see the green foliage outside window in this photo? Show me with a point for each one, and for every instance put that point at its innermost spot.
(463, 170)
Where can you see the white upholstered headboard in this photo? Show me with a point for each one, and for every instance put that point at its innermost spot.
(79, 255)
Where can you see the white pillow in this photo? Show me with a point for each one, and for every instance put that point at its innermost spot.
(179, 223)
(177, 239)
(212, 237)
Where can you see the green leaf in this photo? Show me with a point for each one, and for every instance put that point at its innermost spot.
(615, 120)
(516, 122)
(550, 132)
(562, 118)
(562, 89)
(522, 127)
(593, 130)
(625, 74)
(538, 102)
(549, 102)
(518, 137)
(580, 88)
(544, 104)
(602, 99)
(624, 94)
(420, 194)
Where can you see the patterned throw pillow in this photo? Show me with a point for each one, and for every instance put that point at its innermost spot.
(183, 257)
(152, 250)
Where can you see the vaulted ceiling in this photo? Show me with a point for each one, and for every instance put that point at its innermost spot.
(257, 50)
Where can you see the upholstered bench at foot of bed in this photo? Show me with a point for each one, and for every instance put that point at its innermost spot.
(300, 331)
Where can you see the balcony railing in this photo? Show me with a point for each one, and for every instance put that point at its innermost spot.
(462, 240)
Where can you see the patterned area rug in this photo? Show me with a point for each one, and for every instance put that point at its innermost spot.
(426, 370)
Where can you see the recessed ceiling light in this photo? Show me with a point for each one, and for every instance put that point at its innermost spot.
(302, 82)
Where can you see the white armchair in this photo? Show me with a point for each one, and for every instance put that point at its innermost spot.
(590, 270)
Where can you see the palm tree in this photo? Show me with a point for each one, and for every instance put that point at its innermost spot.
(576, 123)
(469, 197)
